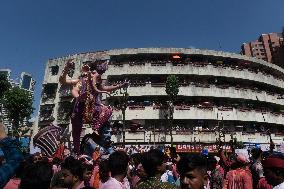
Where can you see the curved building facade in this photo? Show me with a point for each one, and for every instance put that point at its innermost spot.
(219, 92)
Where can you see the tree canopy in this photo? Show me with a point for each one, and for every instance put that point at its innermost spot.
(4, 85)
(172, 87)
(18, 103)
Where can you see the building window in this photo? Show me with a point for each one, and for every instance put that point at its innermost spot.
(26, 82)
(54, 70)
(49, 91)
(46, 112)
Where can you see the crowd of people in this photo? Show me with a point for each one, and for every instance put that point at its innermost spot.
(139, 167)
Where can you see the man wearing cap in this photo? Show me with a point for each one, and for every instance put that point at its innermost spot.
(274, 171)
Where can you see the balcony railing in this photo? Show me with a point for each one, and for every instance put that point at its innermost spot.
(201, 69)
(189, 137)
(208, 113)
(211, 91)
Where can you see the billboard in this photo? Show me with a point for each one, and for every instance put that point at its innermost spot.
(198, 148)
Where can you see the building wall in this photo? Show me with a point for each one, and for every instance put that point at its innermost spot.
(273, 77)
(208, 70)
(213, 91)
(209, 137)
(198, 113)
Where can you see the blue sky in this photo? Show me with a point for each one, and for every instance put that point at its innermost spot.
(31, 32)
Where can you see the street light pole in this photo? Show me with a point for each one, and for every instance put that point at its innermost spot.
(171, 107)
(123, 109)
(123, 125)
(221, 134)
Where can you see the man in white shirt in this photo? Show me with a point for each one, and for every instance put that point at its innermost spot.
(168, 175)
(274, 171)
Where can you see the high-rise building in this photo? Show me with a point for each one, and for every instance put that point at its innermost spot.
(6, 72)
(219, 92)
(268, 47)
(26, 82)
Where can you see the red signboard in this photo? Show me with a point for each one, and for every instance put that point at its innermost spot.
(212, 148)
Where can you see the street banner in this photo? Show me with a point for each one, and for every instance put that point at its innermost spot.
(209, 148)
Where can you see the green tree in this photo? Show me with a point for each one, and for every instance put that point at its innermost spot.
(4, 84)
(172, 89)
(18, 103)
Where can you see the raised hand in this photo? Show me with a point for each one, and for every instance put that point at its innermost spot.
(107, 93)
(69, 64)
(125, 84)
